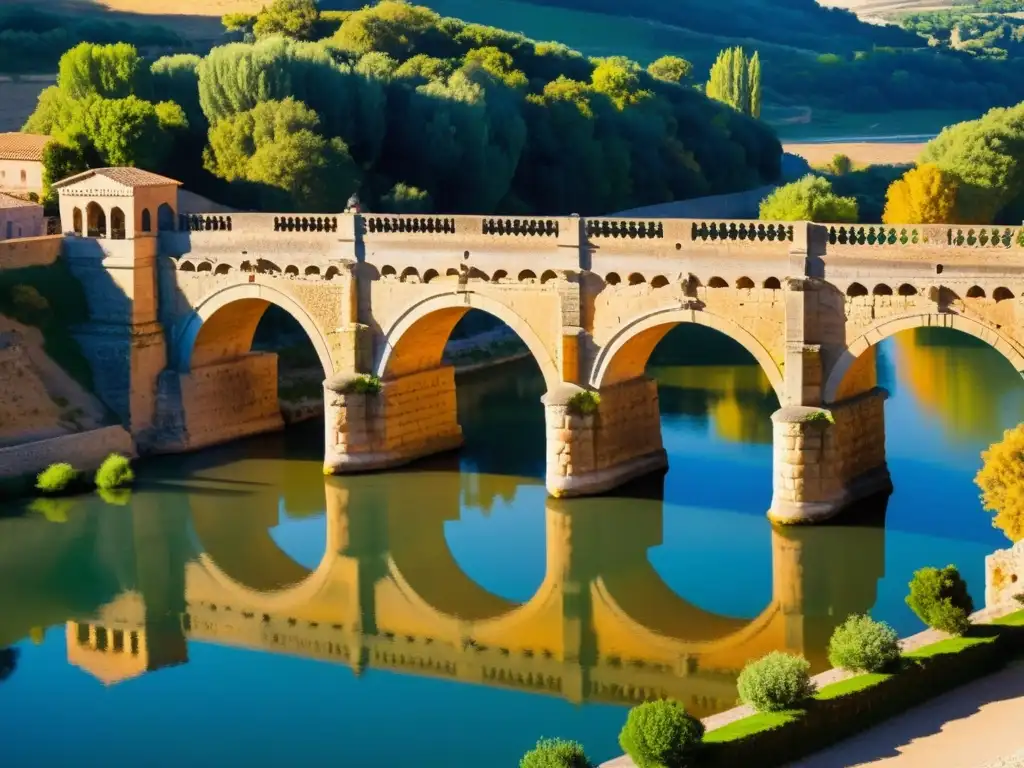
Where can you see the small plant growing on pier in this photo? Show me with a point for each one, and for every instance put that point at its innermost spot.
(363, 384)
(661, 733)
(861, 644)
(556, 753)
(114, 472)
(56, 478)
(940, 599)
(824, 417)
(775, 682)
(584, 403)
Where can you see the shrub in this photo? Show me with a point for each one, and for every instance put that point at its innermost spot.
(363, 384)
(940, 599)
(820, 416)
(114, 472)
(840, 164)
(775, 682)
(584, 403)
(861, 644)
(56, 478)
(556, 753)
(661, 734)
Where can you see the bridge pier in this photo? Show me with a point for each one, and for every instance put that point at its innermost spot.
(589, 453)
(825, 459)
(410, 417)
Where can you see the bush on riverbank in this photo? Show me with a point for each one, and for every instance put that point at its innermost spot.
(56, 478)
(775, 682)
(661, 734)
(940, 599)
(556, 753)
(861, 644)
(114, 472)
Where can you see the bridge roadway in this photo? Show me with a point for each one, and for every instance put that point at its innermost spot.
(174, 313)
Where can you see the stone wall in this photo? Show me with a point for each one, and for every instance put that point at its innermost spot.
(83, 450)
(1004, 576)
(30, 251)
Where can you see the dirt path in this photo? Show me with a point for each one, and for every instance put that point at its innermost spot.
(976, 725)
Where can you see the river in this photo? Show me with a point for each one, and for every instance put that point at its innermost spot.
(237, 608)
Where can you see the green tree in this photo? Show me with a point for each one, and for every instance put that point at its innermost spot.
(129, 131)
(54, 108)
(239, 22)
(808, 199)
(276, 145)
(1001, 480)
(402, 198)
(109, 71)
(497, 63)
(924, 195)
(619, 78)
(754, 78)
(176, 78)
(671, 69)
(395, 28)
(296, 19)
(425, 68)
(736, 80)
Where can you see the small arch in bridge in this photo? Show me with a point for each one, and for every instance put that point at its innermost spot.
(246, 266)
(147, 220)
(659, 282)
(636, 279)
(882, 290)
(772, 283)
(187, 266)
(117, 228)
(856, 289)
(1002, 294)
(388, 271)
(222, 269)
(612, 278)
(410, 275)
(907, 290)
(745, 283)
(76, 220)
(267, 267)
(205, 266)
(500, 275)
(452, 273)
(717, 282)
(312, 271)
(526, 274)
(291, 270)
(430, 274)
(548, 276)
(975, 292)
(478, 274)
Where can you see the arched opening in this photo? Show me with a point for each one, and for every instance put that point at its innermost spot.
(205, 266)
(636, 279)
(612, 279)
(147, 220)
(410, 275)
(117, 228)
(76, 220)
(717, 282)
(222, 269)
(1002, 294)
(856, 289)
(527, 274)
(388, 271)
(772, 283)
(165, 218)
(882, 290)
(659, 282)
(96, 220)
(500, 276)
(907, 290)
(975, 292)
(548, 276)
(430, 275)
(744, 283)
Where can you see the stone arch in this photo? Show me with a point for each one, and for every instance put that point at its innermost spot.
(388, 271)
(222, 269)
(975, 292)
(772, 283)
(331, 273)
(1008, 348)
(1002, 294)
(96, 220)
(117, 224)
(626, 353)
(222, 325)
(612, 278)
(548, 276)
(451, 272)
(291, 270)
(205, 266)
(527, 274)
(312, 271)
(76, 220)
(147, 220)
(881, 290)
(907, 290)
(410, 275)
(416, 339)
(186, 266)
(500, 275)
(636, 279)
(856, 289)
(660, 281)
(429, 275)
(478, 274)
(717, 282)
(744, 283)
(165, 218)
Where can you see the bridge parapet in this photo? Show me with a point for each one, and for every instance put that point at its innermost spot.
(468, 232)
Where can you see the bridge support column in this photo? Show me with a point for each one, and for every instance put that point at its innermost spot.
(590, 453)
(409, 418)
(827, 458)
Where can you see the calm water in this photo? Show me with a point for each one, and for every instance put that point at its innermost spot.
(238, 609)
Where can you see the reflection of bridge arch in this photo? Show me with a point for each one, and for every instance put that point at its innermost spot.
(625, 355)
(415, 341)
(1011, 350)
(221, 327)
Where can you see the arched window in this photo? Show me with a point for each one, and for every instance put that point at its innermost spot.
(117, 231)
(147, 220)
(76, 220)
(95, 220)
(165, 217)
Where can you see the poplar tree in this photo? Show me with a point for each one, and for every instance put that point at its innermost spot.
(754, 77)
(736, 80)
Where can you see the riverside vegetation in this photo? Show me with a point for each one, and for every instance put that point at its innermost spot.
(794, 719)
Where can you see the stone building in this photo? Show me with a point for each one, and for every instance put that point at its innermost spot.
(21, 163)
(20, 218)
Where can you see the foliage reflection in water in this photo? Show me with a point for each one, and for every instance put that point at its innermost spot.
(454, 609)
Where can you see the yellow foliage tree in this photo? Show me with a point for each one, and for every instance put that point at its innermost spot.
(923, 195)
(1001, 480)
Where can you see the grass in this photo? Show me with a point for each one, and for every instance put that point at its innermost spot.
(1015, 619)
(851, 685)
(949, 645)
(748, 726)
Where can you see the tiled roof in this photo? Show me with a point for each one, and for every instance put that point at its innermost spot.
(10, 201)
(130, 177)
(22, 146)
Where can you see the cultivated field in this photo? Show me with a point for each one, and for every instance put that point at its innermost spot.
(861, 153)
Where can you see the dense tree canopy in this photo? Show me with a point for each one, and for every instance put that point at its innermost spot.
(924, 195)
(1001, 480)
(809, 199)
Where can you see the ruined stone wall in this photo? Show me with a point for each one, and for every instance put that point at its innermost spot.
(30, 251)
(229, 400)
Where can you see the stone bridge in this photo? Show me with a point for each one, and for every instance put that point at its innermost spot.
(175, 310)
(388, 593)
